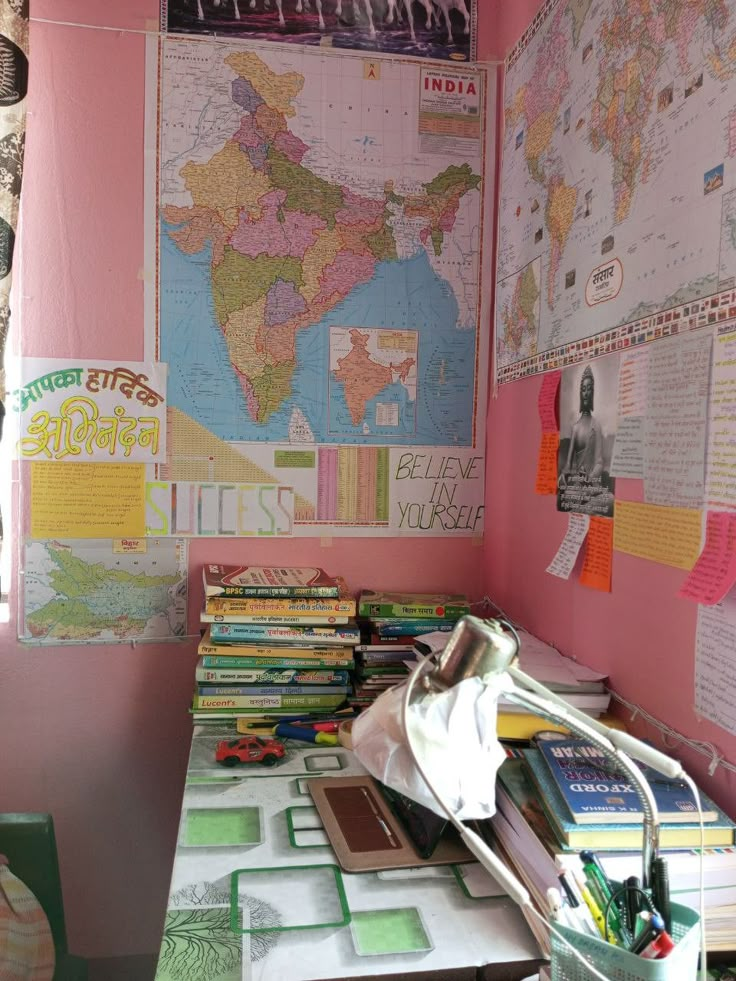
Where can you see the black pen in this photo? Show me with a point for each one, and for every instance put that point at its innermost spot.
(633, 901)
(661, 891)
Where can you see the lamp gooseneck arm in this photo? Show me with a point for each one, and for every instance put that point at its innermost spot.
(558, 714)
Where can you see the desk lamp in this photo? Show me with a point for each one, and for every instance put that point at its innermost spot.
(443, 720)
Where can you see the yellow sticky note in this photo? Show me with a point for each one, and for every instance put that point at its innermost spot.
(88, 500)
(668, 535)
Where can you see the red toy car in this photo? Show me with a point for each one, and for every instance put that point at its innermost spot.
(249, 749)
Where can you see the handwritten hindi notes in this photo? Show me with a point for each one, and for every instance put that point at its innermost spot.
(547, 464)
(73, 412)
(547, 400)
(563, 562)
(628, 450)
(714, 573)
(596, 572)
(721, 455)
(82, 500)
(676, 420)
(670, 536)
(715, 663)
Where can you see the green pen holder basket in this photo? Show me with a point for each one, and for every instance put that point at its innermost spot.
(618, 964)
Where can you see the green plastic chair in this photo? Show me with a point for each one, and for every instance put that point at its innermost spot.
(29, 842)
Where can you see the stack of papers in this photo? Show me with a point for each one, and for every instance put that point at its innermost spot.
(581, 686)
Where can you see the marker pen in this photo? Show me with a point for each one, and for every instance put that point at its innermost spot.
(567, 888)
(597, 915)
(633, 901)
(654, 927)
(660, 947)
(602, 892)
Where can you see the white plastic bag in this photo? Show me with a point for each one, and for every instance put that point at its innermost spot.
(454, 736)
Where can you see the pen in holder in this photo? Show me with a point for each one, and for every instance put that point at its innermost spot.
(620, 964)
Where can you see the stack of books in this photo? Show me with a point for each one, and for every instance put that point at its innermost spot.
(378, 667)
(389, 625)
(555, 800)
(278, 642)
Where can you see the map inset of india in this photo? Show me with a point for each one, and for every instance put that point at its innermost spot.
(319, 254)
(618, 178)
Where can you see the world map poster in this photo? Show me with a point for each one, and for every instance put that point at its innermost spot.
(618, 184)
(321, 243)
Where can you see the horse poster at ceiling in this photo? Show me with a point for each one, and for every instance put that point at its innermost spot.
(422, 28)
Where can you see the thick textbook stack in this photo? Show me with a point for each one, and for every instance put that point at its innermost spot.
(278, 642)
(594, 793)
(389, 624)
(398, 618)
(529, 783)
(525, 829)
(377, 670)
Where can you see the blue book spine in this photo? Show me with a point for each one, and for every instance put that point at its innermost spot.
(259, 690)
(401, 628)
(260, 633)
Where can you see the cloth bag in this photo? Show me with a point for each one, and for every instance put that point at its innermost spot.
(26, 943)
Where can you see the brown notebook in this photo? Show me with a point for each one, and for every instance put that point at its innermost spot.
(365, 834)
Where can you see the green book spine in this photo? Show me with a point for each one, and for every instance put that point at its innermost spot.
(225, 663)
(262, 702)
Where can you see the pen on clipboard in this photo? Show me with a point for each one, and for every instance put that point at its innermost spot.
(377, 814)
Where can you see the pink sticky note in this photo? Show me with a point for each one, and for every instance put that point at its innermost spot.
(546, 401)
(714, 573)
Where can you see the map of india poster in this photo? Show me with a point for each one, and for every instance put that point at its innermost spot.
(320, 248)
(618, 183)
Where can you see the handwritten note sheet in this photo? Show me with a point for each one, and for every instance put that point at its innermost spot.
(628, 450)
(547, 464)
(721, 453)
(598, 561)
(715, 663)
(676, 421)
(88, 500)
(671, 536)
(547, 400)
(106, 411)
(714, 573)
(564, 561)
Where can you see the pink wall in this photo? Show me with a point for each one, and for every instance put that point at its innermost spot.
(641, 634)
(99, 735)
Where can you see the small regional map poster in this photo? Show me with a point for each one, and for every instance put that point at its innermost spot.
(320, 248)
(81, 591)
(618, 191)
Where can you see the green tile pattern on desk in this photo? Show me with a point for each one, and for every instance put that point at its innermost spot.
(212, 826)
(305, 827)
(389, 931)
(199, 943)
(302, 897)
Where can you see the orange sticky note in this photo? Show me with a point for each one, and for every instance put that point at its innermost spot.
(547, 464)
(546, 403)
(714, 573)
(596, 573)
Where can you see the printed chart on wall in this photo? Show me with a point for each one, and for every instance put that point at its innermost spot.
(320, 246)
(618, 180)
(82, 591)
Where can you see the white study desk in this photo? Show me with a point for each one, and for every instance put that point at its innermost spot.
(304, 919)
